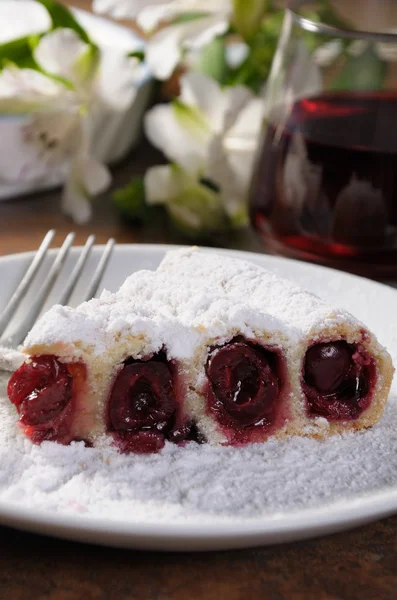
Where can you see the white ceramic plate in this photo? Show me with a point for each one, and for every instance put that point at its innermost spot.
(373, 303)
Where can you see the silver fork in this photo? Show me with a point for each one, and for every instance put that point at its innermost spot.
(19, 334)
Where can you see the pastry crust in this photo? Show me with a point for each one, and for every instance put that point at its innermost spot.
(195, 302)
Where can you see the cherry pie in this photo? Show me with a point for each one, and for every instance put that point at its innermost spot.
(207, 348)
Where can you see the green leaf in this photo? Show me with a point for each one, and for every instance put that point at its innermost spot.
(62, 17)
(130, 201)
(139, 54)
(189, 16)
(212, 60)
(19, 52)
(211, 185)
(364, 72)
(255, 69)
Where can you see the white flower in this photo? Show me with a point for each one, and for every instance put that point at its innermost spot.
(63, 54)
(51, 136)
(212, 134)
(43, 143)
(158, 11)
(192, 205)
(165, 48)
(25, 90)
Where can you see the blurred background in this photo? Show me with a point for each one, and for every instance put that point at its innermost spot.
(232, 123)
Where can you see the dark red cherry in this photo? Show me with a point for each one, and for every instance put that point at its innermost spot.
(244, 385)
(142, 397)
(327, 365)
(338, 381)
(41, 390)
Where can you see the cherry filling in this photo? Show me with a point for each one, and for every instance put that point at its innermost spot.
(244, 388)
(42, 392)
(338, 380)
(143, 409)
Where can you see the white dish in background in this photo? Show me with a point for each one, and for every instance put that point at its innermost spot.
(115, 133)
(369, 301)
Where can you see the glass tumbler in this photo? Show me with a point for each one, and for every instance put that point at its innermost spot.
(324, 186)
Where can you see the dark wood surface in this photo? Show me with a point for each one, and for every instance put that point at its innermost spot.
(360, 564)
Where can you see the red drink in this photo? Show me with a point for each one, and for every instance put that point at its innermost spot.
(325, 184)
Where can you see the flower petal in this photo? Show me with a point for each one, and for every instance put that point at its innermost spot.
(94, 176)
(218, 167)
(164, 48)
(165, 131)
(197, 207)
(236, 98)
(231, 172)
(87, 177)
(205, 93)
(151, 16)
(61, 52)
(123, 9)
(56, 135)
(248, 123)
(25, 90)
(115, 84)
(74, 202)
(39, 145)
(236, 54)
(210, 27)
(21, 161)
(161, 184)
(241, 142)
(35, 20)
(163, 51)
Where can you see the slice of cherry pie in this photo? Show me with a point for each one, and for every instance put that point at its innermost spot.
(207, 348)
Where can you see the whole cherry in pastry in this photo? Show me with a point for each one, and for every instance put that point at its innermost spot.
(244, 387)
(143, 409)
(42, 392)
(337, 380)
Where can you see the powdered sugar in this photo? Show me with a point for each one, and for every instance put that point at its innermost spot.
(10, 359)
(195, 483)
(289, 305)
(192, 294)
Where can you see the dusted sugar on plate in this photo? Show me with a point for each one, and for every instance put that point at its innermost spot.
(207, 348)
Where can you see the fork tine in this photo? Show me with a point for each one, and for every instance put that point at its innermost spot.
(21, 332)
(75, 275)
(99, 271)
(26, 280)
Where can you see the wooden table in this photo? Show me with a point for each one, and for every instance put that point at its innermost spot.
(357, 564)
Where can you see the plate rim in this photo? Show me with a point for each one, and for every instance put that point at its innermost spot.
(237, 253)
